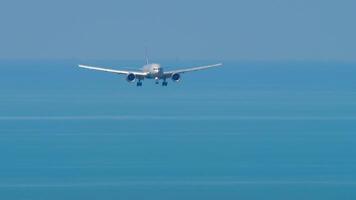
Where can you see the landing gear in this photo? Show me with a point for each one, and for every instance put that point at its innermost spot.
(164, 83)
(139, 84)
(156, 80)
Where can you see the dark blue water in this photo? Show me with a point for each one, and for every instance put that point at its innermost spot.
(250, 130)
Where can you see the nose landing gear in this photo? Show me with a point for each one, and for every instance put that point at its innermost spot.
(139, 84)
(164, 83)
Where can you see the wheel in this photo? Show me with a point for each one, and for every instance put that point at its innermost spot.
(139, 84)
(164, 83)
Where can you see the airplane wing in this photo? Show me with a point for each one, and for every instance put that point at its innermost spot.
(138, 73)
(180, 71)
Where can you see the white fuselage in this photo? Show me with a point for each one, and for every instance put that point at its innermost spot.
(154, 70)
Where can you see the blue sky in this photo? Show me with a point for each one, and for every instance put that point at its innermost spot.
(215, 30)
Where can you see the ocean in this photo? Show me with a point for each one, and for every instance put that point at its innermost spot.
(247, 130)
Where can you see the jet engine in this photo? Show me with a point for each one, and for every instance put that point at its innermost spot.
(131, 77)
(176, 77)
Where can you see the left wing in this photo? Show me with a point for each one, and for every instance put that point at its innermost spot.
(138, 73)
(180, 71)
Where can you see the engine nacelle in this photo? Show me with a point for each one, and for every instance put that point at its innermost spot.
(131, 77)
(176, 77)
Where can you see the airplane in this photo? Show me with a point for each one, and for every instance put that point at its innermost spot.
(151, 71)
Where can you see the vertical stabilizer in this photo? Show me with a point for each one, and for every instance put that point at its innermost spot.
(146, 56)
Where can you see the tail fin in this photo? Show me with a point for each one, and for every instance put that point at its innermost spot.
(146, 56)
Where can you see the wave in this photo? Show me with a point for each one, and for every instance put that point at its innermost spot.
(167, 117)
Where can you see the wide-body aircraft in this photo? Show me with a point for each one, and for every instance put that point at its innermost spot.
(151, 71)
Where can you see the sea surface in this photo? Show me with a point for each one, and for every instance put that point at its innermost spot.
(247, 130)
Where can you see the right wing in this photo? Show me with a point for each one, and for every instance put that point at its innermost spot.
(138, 73)
(180, 71)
